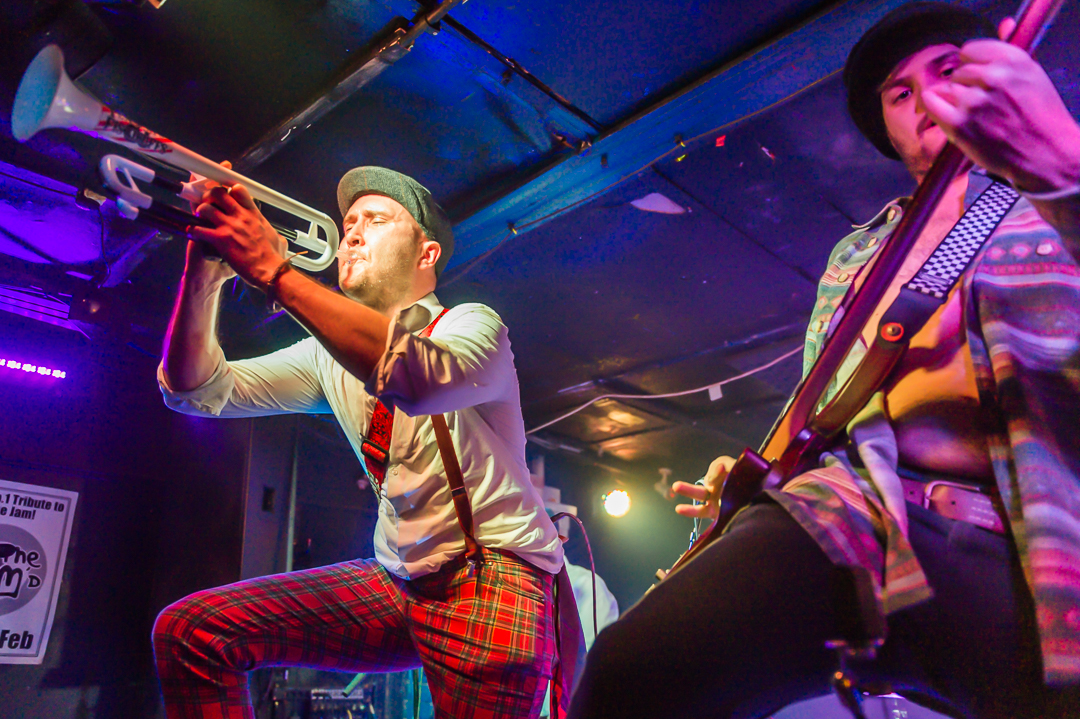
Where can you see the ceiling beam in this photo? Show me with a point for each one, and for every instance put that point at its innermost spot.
(566, 126)
(748, 85)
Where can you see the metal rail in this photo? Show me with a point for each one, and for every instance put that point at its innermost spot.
(401, 35)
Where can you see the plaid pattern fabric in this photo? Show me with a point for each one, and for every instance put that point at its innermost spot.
(486, 641)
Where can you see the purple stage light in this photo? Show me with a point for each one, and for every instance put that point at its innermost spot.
(29, 368)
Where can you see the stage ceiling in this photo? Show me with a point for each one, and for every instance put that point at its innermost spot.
(645, 191)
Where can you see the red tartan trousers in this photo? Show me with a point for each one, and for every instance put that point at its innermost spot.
(486, 642)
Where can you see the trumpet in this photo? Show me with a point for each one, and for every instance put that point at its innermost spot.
(47, 97)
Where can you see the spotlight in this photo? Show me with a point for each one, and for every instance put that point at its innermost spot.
(90, 304)
(616, 502)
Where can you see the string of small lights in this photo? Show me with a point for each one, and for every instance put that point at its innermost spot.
(29, 368)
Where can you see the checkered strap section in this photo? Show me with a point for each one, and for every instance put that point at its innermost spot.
(947, 263)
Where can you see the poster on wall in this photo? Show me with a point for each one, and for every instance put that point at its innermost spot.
(35, 525)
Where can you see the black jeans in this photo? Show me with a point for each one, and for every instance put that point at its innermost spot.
(740, 631)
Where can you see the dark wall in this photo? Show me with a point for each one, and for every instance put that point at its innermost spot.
(336, 509)
(168, 505)
(159, 515)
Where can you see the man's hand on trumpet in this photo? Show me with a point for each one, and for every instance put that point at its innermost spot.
(207, 270)
(707, 493)
(243, 237)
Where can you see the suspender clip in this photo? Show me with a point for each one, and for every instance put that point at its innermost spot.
(474, 562)
(373, 451)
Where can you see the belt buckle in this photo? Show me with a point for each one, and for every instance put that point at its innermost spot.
(928, 489)
(474, 564)
(982, 510)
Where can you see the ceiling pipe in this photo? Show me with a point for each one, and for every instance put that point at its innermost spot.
(402, 34)
(519, 70)
(725, 349)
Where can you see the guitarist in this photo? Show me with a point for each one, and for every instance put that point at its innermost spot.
(980, 577)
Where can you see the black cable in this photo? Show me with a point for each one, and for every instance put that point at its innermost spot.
(415, 675)
(54, 260)
(29, 247)
(592, 564)
(35, 184)
(520, 70)
(104, 257)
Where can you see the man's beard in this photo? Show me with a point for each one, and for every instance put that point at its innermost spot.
(919, 156)
(382, 288)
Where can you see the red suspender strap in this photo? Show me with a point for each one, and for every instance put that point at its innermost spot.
(462, 506)
(376, 450)
(454, 478)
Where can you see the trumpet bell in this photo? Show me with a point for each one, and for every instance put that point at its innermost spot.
(47, 98)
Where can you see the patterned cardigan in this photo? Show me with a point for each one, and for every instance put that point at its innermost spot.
(1021, 304)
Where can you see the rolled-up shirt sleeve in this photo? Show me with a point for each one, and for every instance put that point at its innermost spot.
(277, 383)
(466, 362)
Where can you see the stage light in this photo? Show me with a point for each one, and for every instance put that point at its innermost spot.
(30, 368)
(616, 502)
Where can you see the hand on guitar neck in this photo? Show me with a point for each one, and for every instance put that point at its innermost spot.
(707, 493)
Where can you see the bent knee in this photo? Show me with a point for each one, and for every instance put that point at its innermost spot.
(171, 622)
(186, 620)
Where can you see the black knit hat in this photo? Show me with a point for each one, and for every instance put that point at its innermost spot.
(900, 34)
(413, 196)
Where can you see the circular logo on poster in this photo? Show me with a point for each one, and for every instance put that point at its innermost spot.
(22, 568)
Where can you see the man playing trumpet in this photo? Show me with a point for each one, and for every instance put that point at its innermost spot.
(384, 354)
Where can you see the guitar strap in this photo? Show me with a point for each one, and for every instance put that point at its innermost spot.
(917, 302)
(944, 267)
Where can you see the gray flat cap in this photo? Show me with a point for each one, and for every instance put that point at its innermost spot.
(413, 196)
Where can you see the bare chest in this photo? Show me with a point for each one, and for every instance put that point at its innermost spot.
(932, 396)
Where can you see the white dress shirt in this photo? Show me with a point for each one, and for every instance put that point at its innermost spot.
(607, 607)
(464, 370)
